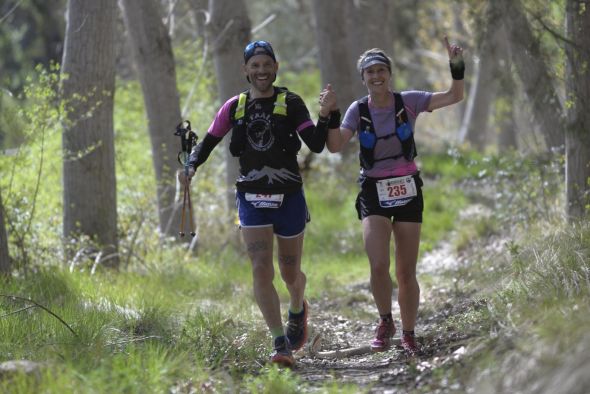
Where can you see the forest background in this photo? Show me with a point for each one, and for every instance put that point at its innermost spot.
(99, 293)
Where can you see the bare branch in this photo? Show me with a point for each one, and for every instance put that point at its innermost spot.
(10, 11)
(265, 22)
(222, 34)
(18, 311)
(197, 79)
(550, 29)
(315, 345)
(13, 297)
(139, 339)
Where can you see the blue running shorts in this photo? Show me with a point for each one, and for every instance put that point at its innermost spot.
(287, 221)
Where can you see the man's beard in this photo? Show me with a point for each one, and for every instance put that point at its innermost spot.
(264, 86)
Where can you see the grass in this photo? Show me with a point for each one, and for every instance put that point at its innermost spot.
(171, 321)
(174, 320)
(536, 309)
(168, 319)
(181, 322)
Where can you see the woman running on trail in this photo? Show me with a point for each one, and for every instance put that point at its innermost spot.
(267, 123)
(390, 197)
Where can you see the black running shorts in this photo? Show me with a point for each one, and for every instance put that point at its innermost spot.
(367, 203)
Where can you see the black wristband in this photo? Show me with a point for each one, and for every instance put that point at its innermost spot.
(323, 119)
(457, 69)
(334, 122)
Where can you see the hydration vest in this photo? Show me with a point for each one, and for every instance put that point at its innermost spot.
(288, 139)
(402, 131)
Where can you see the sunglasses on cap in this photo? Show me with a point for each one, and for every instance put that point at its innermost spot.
(258, 48)
(374, 58)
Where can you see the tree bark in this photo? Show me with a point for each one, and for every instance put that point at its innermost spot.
(200, 10)
(336, 59)
(229, 33)
(578, 117)
(5, 265)
(532, 70)
(152, 51)
(368, 25)
(89, 183)
(334, 52)
(475, 124)
(504, 108)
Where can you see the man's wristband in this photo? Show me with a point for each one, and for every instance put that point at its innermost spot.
(334, 122)
(457, 69)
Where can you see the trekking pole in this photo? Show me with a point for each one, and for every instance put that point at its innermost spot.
(188, 139)
(190, 212)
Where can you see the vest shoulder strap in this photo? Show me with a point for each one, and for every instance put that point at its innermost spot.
(401, 116)
(241, 108)
(280, 106)
(366, 123)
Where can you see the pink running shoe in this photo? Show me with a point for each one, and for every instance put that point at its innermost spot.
(408, 343)
(383, 333)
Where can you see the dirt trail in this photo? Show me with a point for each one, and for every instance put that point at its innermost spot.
(391, 371)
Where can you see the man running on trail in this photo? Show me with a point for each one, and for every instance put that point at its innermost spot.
(390, 199)
(268, 124)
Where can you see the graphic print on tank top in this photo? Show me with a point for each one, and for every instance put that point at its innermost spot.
(259, 132)
(262, 139)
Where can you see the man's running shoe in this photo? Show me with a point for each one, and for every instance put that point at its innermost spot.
(383, 333)
(282, 354)
(408, 343)
(297, 328)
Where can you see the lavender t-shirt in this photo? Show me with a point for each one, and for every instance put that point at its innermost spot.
(384, 123)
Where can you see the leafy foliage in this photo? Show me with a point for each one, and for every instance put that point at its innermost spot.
(32, 178)
(31, 34)
(177, 321)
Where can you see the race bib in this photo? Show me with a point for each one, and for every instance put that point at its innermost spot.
(396, 192)
(265, 200)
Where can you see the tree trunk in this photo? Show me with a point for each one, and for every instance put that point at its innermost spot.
(532, 70)
(470, 105)
(154, 59)
(89, 183)
(229, 33)
(5, 265)
(578, 116)
(361, 35)
(462, 34)
(336, 58)
(334, 52)
(475, 124)
(200, 10)
(405, 33)
(504, 108)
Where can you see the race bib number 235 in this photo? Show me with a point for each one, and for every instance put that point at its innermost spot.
(395, 192)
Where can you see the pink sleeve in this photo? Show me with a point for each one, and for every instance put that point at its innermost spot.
(306, 124)
(221, 125)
